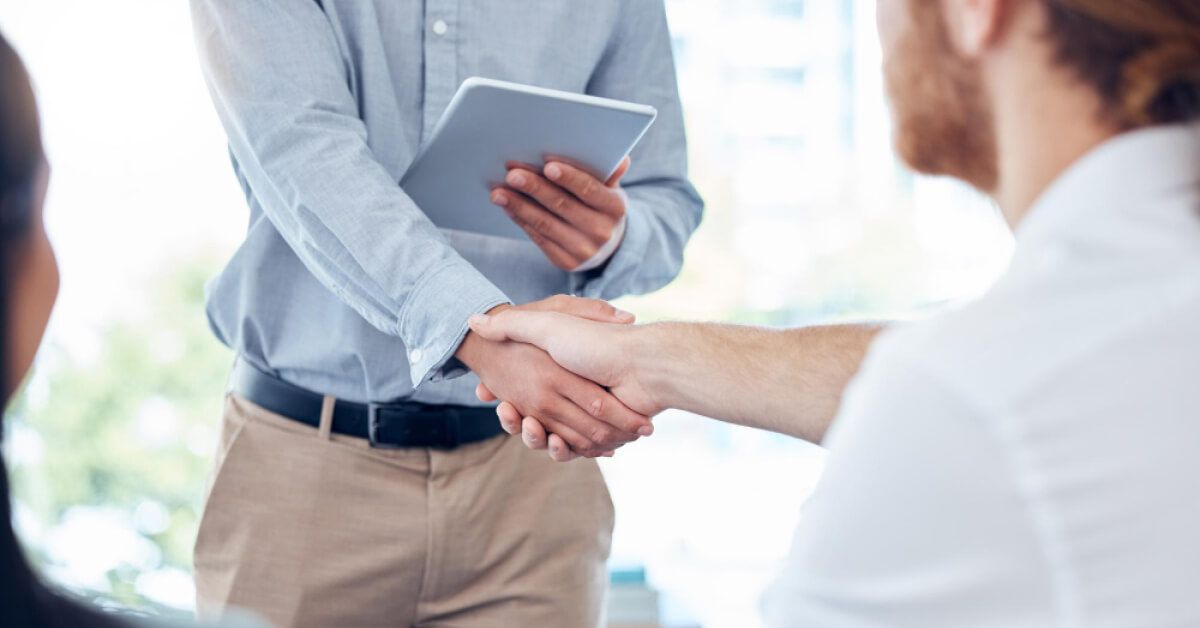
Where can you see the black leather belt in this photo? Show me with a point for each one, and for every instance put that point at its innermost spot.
(385, 425)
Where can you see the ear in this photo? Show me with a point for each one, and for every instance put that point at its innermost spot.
(974, 26)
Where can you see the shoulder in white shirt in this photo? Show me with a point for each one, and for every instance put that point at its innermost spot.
(1033, 458)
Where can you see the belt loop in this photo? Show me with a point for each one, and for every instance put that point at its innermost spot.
(326, 426)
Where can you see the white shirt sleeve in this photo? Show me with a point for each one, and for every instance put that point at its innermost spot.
(917, 520)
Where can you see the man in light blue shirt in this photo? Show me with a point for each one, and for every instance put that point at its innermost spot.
(348, 310)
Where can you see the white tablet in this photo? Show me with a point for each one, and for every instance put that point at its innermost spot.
(491, 123)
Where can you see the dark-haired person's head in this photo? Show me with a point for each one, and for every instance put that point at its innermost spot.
(28, 287)
(28, 272)
(960, 72)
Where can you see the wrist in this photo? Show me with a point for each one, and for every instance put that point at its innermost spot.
(606, 250)
(649, 354)
(473, 348)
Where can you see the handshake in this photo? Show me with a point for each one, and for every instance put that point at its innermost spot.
(561, 369)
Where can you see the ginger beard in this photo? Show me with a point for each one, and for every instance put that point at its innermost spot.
(943, 122)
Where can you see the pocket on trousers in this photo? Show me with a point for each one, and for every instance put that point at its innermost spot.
(233, 424)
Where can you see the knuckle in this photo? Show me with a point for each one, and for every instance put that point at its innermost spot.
(534, 234)
(589, 188)
(600, 233)
(539, 223)
(542, 404)
(578, 444)
(601, 435)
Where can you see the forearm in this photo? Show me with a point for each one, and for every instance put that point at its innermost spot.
(280, 89)
(788, 381)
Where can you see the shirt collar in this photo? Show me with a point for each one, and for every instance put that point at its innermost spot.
(1121, 175)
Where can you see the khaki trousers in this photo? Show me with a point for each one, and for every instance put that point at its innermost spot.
(312, 529)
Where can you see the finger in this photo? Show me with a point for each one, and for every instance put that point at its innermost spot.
(510, 419)
(483, 394)
(532, 216)
(601, 404)
(591, 309)
(562, 203)
(619, 173)
(559, 451)
(539, 433)
(533, 433)
(600, 417)
(553, 251)
(586, 434)
(588, 189)
(525, 326)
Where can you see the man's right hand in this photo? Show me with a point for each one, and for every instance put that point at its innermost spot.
(587, 417)
(595, 349)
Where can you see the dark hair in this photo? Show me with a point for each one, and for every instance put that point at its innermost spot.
(1142, 57)
(24, 599)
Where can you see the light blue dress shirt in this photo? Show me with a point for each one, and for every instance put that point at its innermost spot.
(343, 286)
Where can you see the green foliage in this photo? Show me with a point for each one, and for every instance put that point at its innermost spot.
(131, 429)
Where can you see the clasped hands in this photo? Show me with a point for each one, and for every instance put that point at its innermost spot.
(558, 368)
(571, 216)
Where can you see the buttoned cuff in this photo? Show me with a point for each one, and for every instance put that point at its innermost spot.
(435, 322)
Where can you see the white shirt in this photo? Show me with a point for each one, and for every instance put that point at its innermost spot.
(1032, 459)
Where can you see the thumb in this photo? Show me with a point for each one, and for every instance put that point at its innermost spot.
(622, 169)
(485, 325)
(591, 309)
(535, 328)
(596, 310)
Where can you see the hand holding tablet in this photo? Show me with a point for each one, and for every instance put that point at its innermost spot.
(524, 162)
(576, 219)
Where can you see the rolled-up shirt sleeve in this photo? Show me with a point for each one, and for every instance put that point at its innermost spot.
(281, 90)
(663, 208)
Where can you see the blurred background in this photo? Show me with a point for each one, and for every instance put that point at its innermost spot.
(810, 219)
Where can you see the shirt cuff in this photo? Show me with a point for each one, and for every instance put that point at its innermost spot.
(606, 251)
(627, 260)
(435, 322)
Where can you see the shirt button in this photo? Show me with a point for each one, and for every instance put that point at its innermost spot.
(440, 28)
(414, 355)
